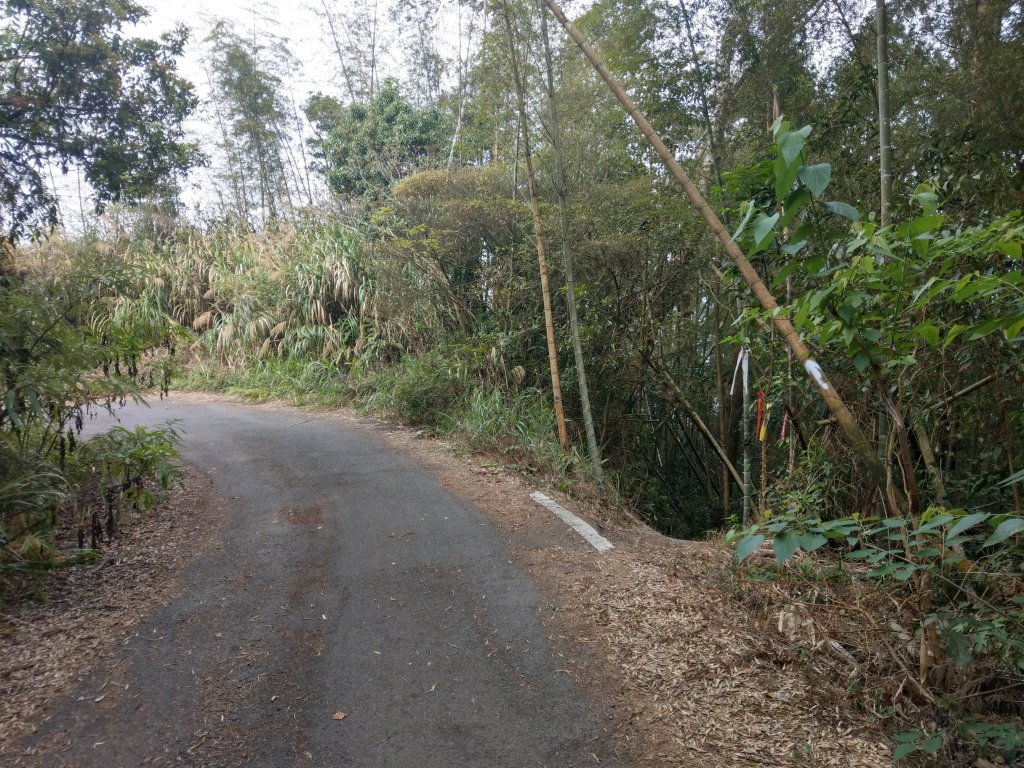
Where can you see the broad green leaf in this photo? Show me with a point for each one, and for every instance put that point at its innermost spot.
(932, 745)
(1011, 248)
(803, 232)
(795, 201)
(882, 570)
(810, 542)
(786, 271)
(816, 177)
(814, 264)
(904, 572)
(861, 362)
(929, 333)
(785, 544)
(785, 176)
(821, 296)
(958, 647)
(1006, 529)
(965, 522)
(925, 224)
(860, 554)
(764, 227)
(845, 210)
(791, 143)
(794, 248)
(841, 525)
(747, 546)
(927, 199)
(907, 737)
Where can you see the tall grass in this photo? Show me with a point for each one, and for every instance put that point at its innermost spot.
(295, 381)
(515, 425)
(311, 314)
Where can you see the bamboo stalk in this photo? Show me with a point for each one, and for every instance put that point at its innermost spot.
(561, 189)
(965, 391)
(538, 231)
(854, 435)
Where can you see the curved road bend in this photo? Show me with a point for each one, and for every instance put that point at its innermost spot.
(348, 584)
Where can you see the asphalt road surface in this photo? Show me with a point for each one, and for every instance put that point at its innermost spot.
(353, 614)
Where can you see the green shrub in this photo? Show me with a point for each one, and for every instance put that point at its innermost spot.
(420, 390)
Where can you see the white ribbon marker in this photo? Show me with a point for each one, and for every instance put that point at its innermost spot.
(597, 541)
(742, 363)
(812, 368)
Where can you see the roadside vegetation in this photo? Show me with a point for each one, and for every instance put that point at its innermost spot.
(498, 257)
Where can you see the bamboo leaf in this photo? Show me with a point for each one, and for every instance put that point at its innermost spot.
(968, 521)
(929, 333)
(1016, 477)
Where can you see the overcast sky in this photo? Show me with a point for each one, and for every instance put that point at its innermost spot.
(294, 21)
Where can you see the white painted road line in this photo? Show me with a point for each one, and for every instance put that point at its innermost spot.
(599, 542)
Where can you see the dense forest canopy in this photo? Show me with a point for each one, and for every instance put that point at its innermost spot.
(478, 239)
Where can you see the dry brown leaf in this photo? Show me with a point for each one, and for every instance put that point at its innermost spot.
(339, 715)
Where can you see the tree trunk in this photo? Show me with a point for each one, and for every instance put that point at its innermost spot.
(884, 147)
(341, 56)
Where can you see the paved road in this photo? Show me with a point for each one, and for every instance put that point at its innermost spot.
(348, 581)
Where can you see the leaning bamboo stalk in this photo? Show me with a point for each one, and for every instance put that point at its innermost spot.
(844, 418)
(680, 398)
